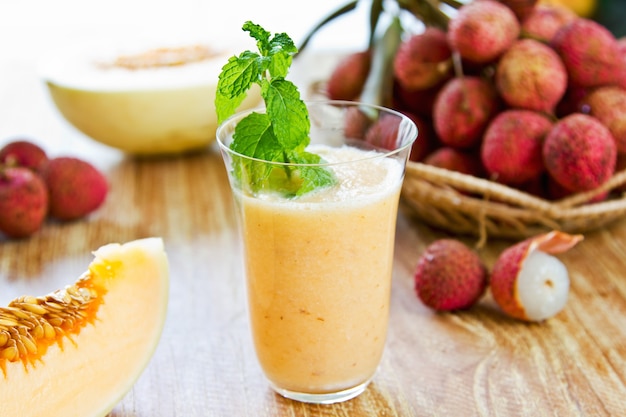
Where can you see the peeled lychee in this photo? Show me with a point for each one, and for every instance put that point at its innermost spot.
(511, 150)
(590, 53)
(450, 276)
(482, 30)
(423, 60)
(462, 110)
(23, 202)
(528, 282)
(348, 78)
(579, 152)
(608, 105)
(23, 153)
(76, 187)
(545, 20)
(530, 75)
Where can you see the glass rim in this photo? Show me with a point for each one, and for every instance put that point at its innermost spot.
(379, 152)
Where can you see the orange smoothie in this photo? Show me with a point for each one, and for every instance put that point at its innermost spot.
(318, 272)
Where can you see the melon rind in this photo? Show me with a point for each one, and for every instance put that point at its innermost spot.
(89, 373)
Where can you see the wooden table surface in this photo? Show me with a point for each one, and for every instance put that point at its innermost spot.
(471, 363)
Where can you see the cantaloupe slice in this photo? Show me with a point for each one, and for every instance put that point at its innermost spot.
(79, 350)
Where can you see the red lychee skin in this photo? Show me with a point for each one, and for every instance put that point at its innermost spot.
(23, 153)
(545, 20)
(76, 187)
(511, 150)
(418, 102)
(423, 60)
(572, 100)
(383, 133)
(463, 109)
(503, 277)
(483, 30)
(589, 51)
(621, 46)
(608, 104)
(449, 276)
(579, 152)
(356, 123)
(23, 202)
(557, 192)
(426, 141)
(530, 75)
(521, 8)
(620, 166)
(348, 78)
(455, 160)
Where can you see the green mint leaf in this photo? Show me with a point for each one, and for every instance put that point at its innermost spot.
(279, 135)
(287, 112)
(312, 177)
(255, 138)
(261, 35)
(281, 52)
(236, 78)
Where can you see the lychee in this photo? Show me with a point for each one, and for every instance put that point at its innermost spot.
(456, 160)
(528, 282)
(23, 153)
(557, 192)
(418, 102)
(23, 202)
(608, 105)
(579, 152)
(521, 8)
(462, 110)
(482, 30)
(348, 78)
(426, 140)
(356, 123)
(76, 187)
(545, 20)
(450, 276)
(423, 60)
(511, 150)
(589, 51)
(530, 75)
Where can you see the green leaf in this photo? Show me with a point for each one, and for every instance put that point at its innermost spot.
(261, 35)
(281, 134)
(282, 50)
(287, 112)
(235, 79)
(313, 177)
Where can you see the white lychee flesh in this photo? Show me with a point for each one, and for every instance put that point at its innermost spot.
(542, 285)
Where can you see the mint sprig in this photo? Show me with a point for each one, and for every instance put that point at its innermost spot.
(281, 134)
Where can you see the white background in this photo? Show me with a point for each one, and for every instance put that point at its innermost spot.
(29, 27)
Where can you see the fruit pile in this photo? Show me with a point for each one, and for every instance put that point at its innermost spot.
(34, 187)
(528, 282)
(528, 95)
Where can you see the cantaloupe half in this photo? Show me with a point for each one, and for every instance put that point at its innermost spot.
(79, 350)
(140, 98)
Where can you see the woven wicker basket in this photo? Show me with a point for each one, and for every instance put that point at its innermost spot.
(468, 205)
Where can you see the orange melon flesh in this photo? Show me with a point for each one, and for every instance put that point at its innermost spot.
(92, 361)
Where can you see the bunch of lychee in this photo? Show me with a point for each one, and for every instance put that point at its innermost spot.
(528, 95)
(34, 187)
(527, 281)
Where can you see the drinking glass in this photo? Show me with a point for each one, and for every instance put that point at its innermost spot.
(318, 266)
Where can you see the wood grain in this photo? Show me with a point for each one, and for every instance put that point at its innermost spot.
(471, 363)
